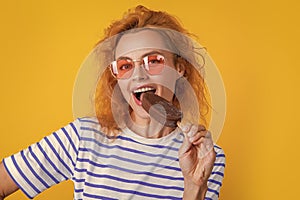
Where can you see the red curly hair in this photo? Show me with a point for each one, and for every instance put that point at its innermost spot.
(108, 95)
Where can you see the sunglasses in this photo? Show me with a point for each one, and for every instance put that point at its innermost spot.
(123, 67)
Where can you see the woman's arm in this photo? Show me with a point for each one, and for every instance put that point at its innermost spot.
(43, 164)
(7, 185)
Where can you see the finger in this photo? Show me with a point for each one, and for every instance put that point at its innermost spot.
(206, 145)
(203, 151)
(186, 144)
(191, 133)
(196, 131)
(185, 128)
(193, 130)
(196, 137)
(185, 147)
(206, 141)
(201, 127)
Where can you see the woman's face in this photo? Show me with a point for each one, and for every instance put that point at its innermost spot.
(136, 46)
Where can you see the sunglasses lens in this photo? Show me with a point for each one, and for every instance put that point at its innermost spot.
(124, 67)
(155, 64)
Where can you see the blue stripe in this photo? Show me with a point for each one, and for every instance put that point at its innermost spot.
(207, 198)
(96, 131)
(23, 175)
(80, 170)
(213, 191)
(70, 140)
(128, 149)
(214, 181)
(217, 147)
(150, 145)
(127, 139)
(64, 148)
(218, 173)
(177, 141)
(33, 171)
(220, 155)
(19, 186)
(50, 161)
(78, 180)
(88, 121)
(125, 170)
(120, 136)
(131, 191)
(134, 181)
(58, 156)
(42, 166)
(219, 164)
(75, 130)
(78, 190)
(129, 160)
(97, 196)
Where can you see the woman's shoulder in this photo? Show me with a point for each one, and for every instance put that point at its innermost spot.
(86, 126)
(87, 121)
(218, 149)
(220, 155)
(90, 129)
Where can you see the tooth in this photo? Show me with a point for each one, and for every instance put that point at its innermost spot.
(143, 90)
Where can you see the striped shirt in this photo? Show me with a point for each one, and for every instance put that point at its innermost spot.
(126, 167)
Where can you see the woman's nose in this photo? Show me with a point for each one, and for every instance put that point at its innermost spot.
(139, 72)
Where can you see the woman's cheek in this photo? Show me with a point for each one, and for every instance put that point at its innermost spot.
(168, 79)
(124, 87)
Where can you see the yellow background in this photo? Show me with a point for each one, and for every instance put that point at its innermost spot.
(254, 43)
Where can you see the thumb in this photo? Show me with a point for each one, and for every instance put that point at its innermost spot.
(186, 144)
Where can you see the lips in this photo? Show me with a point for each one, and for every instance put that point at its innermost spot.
(137, 93)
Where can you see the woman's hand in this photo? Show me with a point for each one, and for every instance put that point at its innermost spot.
(196, 159)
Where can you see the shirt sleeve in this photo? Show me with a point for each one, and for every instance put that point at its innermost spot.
(45, 163)
(217, 175)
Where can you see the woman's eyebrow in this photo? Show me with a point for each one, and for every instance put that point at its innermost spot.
(124, 58)
(152, 52)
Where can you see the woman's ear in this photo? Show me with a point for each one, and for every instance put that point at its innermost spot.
(180, 68)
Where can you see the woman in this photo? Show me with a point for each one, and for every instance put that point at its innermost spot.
(124, 152)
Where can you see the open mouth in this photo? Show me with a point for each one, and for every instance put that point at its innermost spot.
(138, 92)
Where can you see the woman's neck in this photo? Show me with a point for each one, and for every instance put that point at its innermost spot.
(148, 128)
